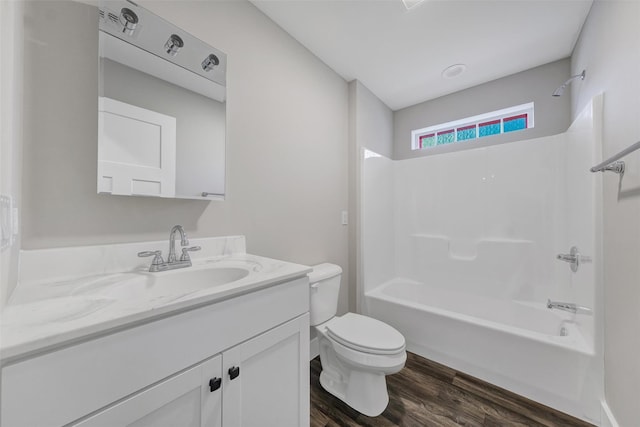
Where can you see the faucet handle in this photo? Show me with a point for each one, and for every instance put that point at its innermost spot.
(185, 252)
(157, 256)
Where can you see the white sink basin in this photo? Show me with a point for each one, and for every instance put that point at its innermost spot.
(190, 280)
(166, 284)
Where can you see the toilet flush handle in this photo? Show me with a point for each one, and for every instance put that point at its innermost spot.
(314, 286)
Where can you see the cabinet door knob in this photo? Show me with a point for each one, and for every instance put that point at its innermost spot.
(234, 371)
(215, 383)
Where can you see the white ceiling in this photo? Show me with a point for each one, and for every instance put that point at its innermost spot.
(399, 54)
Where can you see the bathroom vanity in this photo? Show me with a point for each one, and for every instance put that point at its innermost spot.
(231, 354)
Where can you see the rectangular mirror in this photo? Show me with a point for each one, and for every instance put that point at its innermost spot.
(162, 108)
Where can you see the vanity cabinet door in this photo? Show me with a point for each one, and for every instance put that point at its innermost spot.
(190, 399)
(266, 379)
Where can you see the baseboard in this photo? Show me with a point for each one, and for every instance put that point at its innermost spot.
(607, 419)
(314, 349)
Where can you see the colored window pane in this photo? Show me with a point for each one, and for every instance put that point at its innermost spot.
(510, 119)
(467, 132)
(446, 137)
(489, 128)
(515, 123)
(428, 140)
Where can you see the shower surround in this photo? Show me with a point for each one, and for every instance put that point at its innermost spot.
(459, 253)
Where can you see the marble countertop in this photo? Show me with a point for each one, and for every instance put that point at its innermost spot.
(47, 314)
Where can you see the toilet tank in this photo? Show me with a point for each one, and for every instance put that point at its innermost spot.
(324, 281)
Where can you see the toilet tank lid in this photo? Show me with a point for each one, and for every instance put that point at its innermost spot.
(324, 271)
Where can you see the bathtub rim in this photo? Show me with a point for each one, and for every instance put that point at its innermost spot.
(575, 341)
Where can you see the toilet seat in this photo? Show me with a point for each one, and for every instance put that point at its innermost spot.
(362, 333)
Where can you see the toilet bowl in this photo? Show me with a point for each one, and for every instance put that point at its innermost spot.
(356, 351)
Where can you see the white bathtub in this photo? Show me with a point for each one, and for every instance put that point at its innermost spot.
(526, 348)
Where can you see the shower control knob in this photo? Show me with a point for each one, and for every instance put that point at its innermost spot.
(567, 258)
(215, 383)
(574, 258)
(234, 371)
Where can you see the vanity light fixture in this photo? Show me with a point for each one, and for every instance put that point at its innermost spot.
(173, 45)
(129, 21)
(210, 62)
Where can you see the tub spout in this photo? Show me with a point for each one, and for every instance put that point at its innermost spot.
(569, 306)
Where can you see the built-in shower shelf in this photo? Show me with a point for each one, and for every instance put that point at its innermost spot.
(458, 249)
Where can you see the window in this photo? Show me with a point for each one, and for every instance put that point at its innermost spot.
(489, 128)
(466, 132)
(515, 123)
(445, 137)
(468, 129)
(428, 140)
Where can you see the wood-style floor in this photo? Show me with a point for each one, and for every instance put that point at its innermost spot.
(428, 394)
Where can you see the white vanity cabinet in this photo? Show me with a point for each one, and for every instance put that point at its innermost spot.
(261, 385)
(164, 372)
(185, 400)
(267, 390)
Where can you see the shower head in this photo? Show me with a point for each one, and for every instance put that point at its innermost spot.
(560, 90)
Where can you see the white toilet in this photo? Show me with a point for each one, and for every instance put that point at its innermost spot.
(356, 351)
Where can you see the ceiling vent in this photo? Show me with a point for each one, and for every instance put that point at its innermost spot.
(454, 71)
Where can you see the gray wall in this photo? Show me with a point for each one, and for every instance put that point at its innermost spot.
(370, 126)
(286, 132)
(537, 84)
(373, 120)
(609, 49)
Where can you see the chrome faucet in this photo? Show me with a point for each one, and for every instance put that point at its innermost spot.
(158, 264)
(184, 241)
(568, 306)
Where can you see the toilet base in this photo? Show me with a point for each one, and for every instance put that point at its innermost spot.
(356, 377)
(365, 392)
